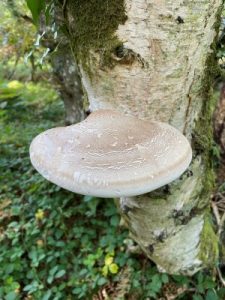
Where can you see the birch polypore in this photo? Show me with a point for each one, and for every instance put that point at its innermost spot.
(111, 155)
(157, 68)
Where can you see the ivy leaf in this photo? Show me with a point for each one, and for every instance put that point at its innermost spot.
(108, 260)
(47, 295)
(102, 281)
(105, 270)
(197, 297)
(35, 6)
(113, 268)
(211, 295)
(60, 273)
(165, 278)
(11, 296)
(156, 283)
(115, 220)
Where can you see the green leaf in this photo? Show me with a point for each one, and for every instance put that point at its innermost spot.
(10, 296)
(113, 268)
(77, 291)
(211, 295)
(200, 288)
(105, 270)
(50, 279)
(165, 278)
(156, 283)
(35, 6)
(34, 286)
(60, 273)
(208, 283)
(47, 295)
(200, 277)
(152, 294)
(92, 204)
(197, 297)
(102, 281)
(88, 198)
(221, 293)
(83, 272)
(114, 221)
(53, 270)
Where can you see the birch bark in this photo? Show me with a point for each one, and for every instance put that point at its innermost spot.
(158, 67)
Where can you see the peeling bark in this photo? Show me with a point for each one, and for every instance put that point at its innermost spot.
(159, 69)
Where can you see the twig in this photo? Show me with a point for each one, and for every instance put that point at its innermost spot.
(216, 213)
(64, 8)
(220, 276)
(221, 224)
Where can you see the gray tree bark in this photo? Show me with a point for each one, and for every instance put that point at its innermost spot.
(67, 81)
(66, 76)
(154, 59)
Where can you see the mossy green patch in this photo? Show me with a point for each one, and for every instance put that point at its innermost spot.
(92, 28)
(209, 253)
(203, 142)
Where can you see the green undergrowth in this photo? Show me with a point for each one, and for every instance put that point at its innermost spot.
(57, 245)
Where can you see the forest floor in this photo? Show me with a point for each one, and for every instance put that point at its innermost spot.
(58, 245)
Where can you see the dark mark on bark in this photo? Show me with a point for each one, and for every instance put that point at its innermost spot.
(161, 237)
(125, 209)
(166, 189)
(189, 173)
(177, 213)
(179, 20)
(151, 248)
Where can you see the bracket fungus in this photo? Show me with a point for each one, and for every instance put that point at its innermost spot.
(111, 155)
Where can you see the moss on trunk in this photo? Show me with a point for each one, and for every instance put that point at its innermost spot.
(209, 252)
(92, 27)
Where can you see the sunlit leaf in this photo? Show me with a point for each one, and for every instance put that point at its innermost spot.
(60, 273)
(35, 7)
(113, 268)
(108, 260)
(105, 270)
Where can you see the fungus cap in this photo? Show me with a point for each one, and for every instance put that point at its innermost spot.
(111, 155)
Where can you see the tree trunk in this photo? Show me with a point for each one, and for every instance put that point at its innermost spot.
(154, 59)
(66, 76)
(68, 84)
